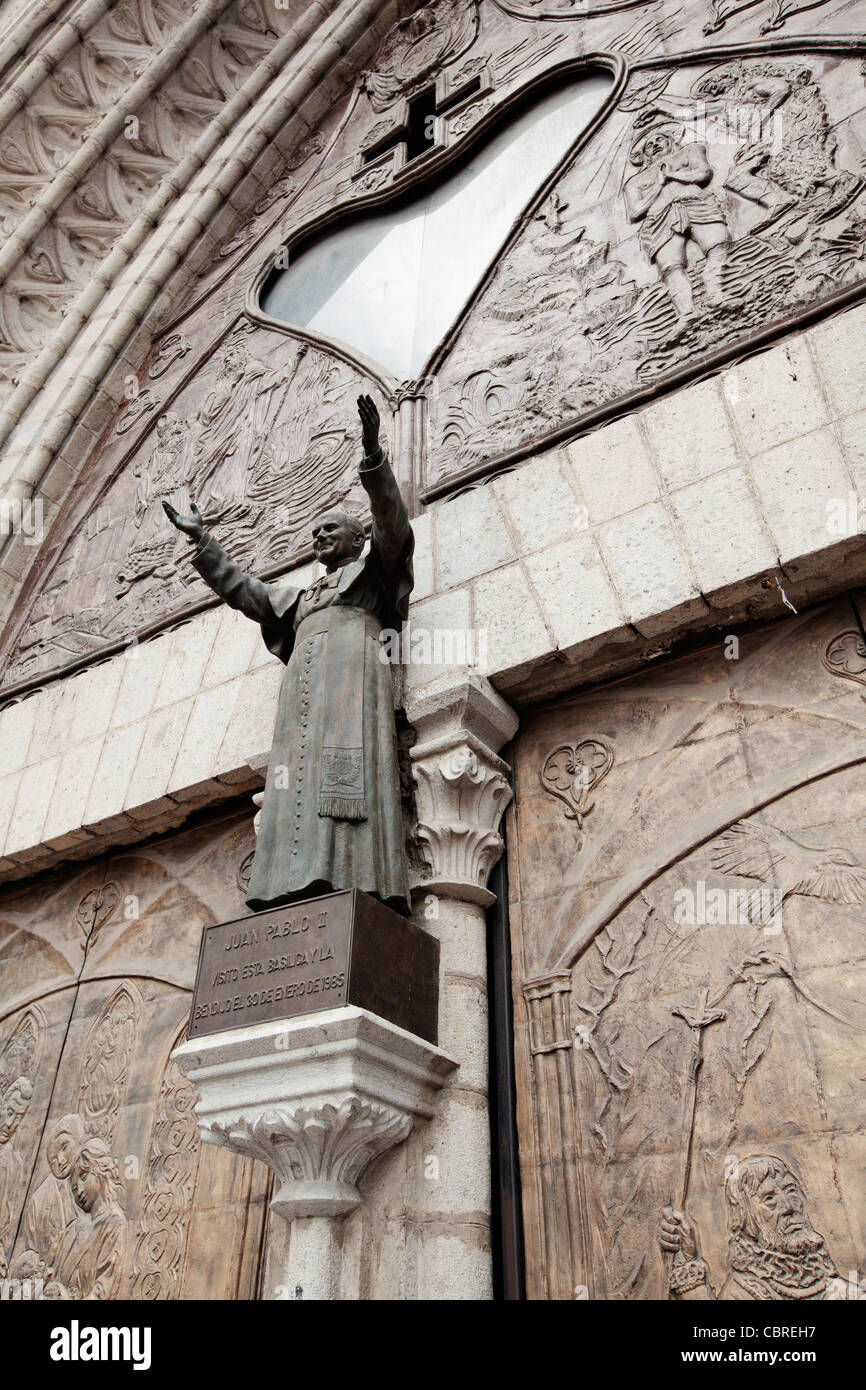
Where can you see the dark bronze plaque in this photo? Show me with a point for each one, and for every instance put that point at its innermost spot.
(322, 953)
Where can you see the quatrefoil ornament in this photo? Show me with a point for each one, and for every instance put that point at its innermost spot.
(573, 771)
(845, 656)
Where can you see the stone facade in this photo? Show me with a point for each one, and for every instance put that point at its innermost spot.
(688, 469)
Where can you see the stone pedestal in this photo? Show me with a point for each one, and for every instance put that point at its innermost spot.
(320, 1097)
(317, 1098)
(316, 955)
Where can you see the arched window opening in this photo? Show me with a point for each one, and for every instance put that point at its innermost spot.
(390, 284)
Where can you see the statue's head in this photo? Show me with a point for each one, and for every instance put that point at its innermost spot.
(337, 539)
(766, 1205)
(65, 1139)
(95, 1174)
(26, 1265)
(169, 426)
(654, 140)
(13, 1105)
(232, 361)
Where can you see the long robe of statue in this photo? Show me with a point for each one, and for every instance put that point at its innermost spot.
(331, 816)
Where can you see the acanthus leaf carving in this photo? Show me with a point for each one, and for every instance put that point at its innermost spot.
(317, 1106)
(461, 785)
(318, 1152)
(461, 798)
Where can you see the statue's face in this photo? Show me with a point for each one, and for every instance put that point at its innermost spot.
(85, 1186)
(11, 1110)
(334, 541)
(168, 428)
(27, 1264)
(61, 1155)
(234, 364)
(780, 1213)
(656, 146)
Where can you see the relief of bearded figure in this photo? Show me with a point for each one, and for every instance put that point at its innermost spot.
(774, 1252)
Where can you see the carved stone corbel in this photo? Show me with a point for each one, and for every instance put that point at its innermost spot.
(318, 1151)
(461, 784)
(316, 1098)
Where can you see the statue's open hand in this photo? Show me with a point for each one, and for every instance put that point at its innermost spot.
(192, 526)
(369, 424)
(677, 1233)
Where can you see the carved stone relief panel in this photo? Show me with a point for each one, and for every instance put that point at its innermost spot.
(715, 201)
(109, 177)
(104, 1188)
(171, 1172)
(23, 1049)
(772, 13)
(689, 969)
(263, 435)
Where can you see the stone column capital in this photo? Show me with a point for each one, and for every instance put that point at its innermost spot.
(316, 1098)
(461, 783)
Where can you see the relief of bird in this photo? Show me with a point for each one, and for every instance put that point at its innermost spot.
(788, 867)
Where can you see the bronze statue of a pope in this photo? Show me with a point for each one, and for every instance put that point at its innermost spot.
(331, 815)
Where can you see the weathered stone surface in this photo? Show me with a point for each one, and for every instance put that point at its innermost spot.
(98, 968)
(688, 507)
(703, 897)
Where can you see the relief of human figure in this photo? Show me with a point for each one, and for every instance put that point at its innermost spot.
(13, 1106)
(788, 164)
(774, 1253)
(232, 430)
(52, 1207)
(331, 816)
(162, 475)
(670, 198)
(90, 1258)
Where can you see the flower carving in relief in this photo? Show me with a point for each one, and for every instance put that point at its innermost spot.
(469, 117)
(845, 655)
(572, 772)
(138, 407)
(97, 907)
(170, 350)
